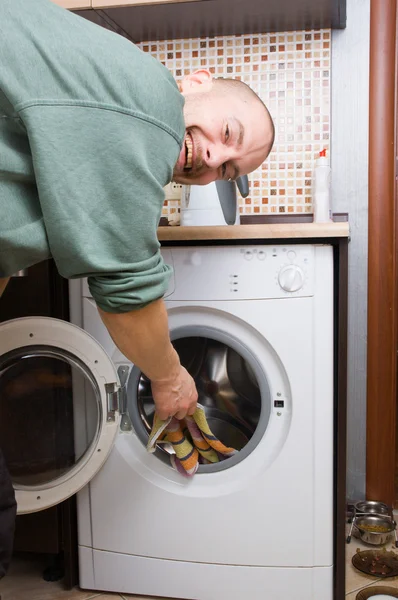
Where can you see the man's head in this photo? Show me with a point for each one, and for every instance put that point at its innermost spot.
(229, 131)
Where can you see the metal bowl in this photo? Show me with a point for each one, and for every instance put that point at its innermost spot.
(371, 506)
(374, 591)
(364, 525)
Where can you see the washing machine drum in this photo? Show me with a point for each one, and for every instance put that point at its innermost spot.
(228, 389)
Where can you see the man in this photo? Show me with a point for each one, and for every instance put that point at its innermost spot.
(91, 130)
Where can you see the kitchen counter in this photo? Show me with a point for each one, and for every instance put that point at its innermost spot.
(258, 232)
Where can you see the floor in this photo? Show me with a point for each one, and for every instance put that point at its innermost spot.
(25, 582)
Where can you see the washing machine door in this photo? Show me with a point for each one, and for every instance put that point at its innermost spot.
(59, 412)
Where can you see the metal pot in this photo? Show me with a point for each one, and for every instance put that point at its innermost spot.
(364, 523)
(371, 506)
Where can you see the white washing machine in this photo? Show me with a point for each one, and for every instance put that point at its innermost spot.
(254, 325)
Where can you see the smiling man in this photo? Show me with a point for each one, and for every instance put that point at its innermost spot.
(91, 130)
(229, 131)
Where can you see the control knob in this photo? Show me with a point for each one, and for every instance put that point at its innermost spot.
(291, 278)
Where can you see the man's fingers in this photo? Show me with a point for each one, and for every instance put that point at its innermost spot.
(163, 414)
(177, 398)
(181, 414)
(191, 410)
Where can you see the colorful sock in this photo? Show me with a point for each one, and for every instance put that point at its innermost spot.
(192, 442)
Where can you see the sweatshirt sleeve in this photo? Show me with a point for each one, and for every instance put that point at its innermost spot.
(100, 174)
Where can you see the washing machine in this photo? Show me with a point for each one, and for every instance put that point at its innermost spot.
(254, 326)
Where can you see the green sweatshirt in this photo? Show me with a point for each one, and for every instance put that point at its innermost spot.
(90, 130)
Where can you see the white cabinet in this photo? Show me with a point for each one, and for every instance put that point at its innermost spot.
(143, 20)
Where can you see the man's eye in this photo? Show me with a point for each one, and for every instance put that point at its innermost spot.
(227, 133)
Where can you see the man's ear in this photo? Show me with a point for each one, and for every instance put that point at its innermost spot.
(197, 81)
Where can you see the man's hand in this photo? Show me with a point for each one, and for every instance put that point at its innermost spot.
(143, 337)
(175, 397)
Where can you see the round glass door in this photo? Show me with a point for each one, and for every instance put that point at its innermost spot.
(58, 418)
(44, 398)
(232, 388)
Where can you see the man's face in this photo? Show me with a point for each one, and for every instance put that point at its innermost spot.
(227, 134)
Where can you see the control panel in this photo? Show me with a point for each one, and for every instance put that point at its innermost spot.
(240, 272)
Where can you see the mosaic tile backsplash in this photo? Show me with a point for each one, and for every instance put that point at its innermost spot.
(291, 74)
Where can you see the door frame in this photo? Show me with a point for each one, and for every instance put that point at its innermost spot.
(382, 258)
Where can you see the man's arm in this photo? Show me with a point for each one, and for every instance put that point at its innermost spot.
(101, 206)
(143, 337)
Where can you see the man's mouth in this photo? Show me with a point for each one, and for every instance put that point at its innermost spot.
(188, 152)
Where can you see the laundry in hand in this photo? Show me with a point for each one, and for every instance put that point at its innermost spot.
(192, 440)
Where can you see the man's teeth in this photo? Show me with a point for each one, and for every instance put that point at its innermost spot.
(189, 149)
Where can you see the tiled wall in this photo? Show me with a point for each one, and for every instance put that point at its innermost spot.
(291, 73)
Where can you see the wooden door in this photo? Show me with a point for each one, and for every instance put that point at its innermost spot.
(382, 275)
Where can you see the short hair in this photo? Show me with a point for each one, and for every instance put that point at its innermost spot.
(242, 87)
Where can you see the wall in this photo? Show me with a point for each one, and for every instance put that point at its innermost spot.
(350, 104)
(291, 73)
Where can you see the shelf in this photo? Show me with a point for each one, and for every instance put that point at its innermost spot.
(261, 232)
(73, 4)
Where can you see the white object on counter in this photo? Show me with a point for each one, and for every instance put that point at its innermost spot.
(202, 205)
(322, 207)
(381, 597)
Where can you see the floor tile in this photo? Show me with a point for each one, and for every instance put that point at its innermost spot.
(351, 596)
(25, 582)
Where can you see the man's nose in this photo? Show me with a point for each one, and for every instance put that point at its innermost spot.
(215, 157)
